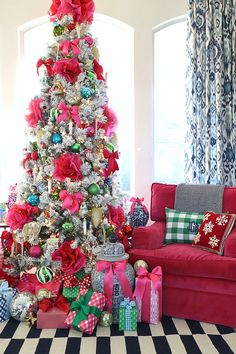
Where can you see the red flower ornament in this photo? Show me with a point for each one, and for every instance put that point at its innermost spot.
(67, 166)
(68, 68)
(19, 215)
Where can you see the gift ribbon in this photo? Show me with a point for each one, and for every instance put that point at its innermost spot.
(65, 46)
(144, 277)
(127, 305)
(110, 268)
(139, 201)
(60, 302)
(112, 163)
(83, 308)
(48, 64)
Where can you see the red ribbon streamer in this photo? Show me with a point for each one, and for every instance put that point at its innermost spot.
(112, 163)
(60, 303)
(110, 268)
(65, 46)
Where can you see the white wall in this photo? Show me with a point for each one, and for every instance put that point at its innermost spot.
(143, 16)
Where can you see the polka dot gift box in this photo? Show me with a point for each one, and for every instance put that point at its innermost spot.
(127, 315)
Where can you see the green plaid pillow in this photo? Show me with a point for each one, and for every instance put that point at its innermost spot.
(181, 227)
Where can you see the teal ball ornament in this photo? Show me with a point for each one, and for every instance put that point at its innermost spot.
(93, 189)
(44, 274)
(68, 226)
(75, 148)
(86, 92)
(33, 199)
(56, 138)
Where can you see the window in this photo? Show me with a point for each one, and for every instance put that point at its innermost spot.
(169, 100)
(115, 44)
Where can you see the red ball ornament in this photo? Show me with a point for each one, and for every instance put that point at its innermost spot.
(36, 251)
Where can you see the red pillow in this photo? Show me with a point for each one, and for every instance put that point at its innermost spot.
(213, 231)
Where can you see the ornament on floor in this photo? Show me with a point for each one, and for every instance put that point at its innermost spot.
(31, 319)
(35, 251)
(44, 274)
(22, 305)
(140, 263)
(138, 214)
(106, 319)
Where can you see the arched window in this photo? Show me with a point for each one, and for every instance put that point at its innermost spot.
(169, 100)
(115, 44)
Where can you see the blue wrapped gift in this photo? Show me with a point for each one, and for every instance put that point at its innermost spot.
(6, 296)
(127, 315)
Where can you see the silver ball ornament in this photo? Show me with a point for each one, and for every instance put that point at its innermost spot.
(106, 319)
(21, 305)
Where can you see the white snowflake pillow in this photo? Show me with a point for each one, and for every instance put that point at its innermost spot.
(213, 231)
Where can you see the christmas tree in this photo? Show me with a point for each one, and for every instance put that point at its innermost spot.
(70, 196)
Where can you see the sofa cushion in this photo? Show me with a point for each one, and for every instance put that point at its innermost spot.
(163, 195)
(181, 227)
(213, 231)
(230, 244)
(183, 259)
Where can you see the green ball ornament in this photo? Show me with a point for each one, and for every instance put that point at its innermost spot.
(55, 194)
(91, 75)
(54, 113)
(44, 274)
(68, 226)
(58, 30)
(110, 147)
(93, 189)
(106, 319)
(75, 148)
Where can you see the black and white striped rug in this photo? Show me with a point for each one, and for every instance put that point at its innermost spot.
(172, 335)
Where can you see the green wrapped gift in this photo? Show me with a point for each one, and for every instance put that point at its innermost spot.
(127, 315)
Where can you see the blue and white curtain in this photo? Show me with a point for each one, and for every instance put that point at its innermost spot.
(211, 92)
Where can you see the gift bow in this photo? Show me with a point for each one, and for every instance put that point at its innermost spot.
(72, 112)
(4, 287)
(65, 46)
(48, 64)
(127, 304)
(71, 202)
(144, 277)
(112, 163)
(139, 201)
(81, 305)
(110, 268)
(60, 302)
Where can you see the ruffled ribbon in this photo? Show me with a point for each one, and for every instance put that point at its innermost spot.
(71, 112)
(139, 201)
(81, 305)
(71, 202)
(112, 163)
(65, 46)
(144, 277)
(110, 268)
(60, 303)
(48, 64)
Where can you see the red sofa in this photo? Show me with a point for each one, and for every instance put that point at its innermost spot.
(197, 284)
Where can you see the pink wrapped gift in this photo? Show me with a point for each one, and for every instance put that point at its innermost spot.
(86, 311)
(148, 295)
(53, 318)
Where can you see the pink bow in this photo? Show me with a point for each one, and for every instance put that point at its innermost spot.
(144, 277)
(134, 201)
(71, 202)
(65, 46)
(71, 112)
(110, 268)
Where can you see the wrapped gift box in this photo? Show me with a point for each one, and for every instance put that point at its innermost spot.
(6, 296)
(148, 295)
(86, 311)
(127, 315)
(53, 318)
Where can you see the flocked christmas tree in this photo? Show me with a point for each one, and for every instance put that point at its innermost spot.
(70, 190)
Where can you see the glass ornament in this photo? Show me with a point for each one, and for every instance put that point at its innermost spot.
(86, 92)
(54, 113)
(75, 148)
(93, 189)
(44, 274)
(33, 199)
(56, 138)
(22, 304)
(68, 226)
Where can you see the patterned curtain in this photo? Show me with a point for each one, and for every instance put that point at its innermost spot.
(211, 92)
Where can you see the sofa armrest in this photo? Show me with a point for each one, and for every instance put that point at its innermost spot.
(230, 244)
(149, 237)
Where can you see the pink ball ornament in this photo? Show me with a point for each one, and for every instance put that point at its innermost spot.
(36, 251)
